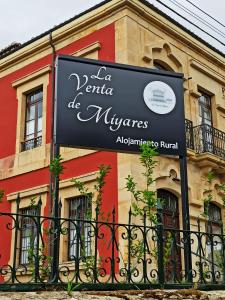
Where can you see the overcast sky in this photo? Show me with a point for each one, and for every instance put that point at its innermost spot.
(20, 20)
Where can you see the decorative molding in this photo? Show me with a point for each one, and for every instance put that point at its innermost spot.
(29, 192)
(83, 178)
(207, 71)
(148, 52)
(31, 76)
(194, 89)
(88, 49)
(220, 108)
(223, 91)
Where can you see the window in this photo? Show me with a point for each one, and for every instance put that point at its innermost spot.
(205, 112)
(170, 208)
(214, 239)
(28, 235)
(33, 120)
(214, 224)
(205, 120)
(161, 66)
(170, 211)
(79, 230)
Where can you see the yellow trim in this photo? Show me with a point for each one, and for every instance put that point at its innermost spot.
(207, 71)
(31, 76)
(35, 191)
(84, 178)
(98, 18)
(88, 49)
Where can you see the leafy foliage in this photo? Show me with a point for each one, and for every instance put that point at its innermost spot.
(146, 200)
(100, 182)
(208, 194)
(39, 255)
(81, 187)
(56, 167)
(221, 188)
(98, 187)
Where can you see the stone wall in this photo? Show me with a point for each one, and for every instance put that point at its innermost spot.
(116, 295)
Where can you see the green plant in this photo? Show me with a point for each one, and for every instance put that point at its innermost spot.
(89, 260)
(38, 255)
(221, 188)
(167, 248)
(56, 167)
(98, 187)
(33, 202)
(71, 287)
(145, 201)
(100, 182)
(208, 194)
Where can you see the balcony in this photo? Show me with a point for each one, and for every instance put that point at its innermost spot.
(31, 144)
(205, 139)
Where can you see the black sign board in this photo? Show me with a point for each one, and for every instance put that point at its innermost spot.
(118, 107)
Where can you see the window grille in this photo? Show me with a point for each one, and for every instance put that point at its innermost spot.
(214, 223)
(79, 230)
(28, 240)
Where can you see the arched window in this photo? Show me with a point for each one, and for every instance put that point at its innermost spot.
(170, 208)
(161, 66)
(171, 233)
(214, 224)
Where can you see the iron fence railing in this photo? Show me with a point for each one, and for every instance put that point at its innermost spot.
(205, 138)
(134, 254)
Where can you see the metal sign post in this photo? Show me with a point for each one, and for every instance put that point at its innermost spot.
(186, 217)
(101, 105)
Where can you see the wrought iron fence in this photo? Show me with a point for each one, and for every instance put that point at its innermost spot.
(107, 253)
(205, 138)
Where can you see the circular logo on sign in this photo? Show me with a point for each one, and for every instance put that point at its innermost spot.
(159, 97)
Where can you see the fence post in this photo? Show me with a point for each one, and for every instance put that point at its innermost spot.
(96, 231)
(113, 245)
(161, 274)
(17, 226)
(129, 247)
(145, 248)
(201, 279)
(223, 252)
(211, 236)
(37, 244)
(186, 218)
(56, 224)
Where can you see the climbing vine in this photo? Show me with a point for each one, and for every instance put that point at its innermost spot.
(144, 201)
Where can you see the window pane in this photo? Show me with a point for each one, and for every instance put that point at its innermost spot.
(30, 98)
(39, 109)
(39, 126)
(80, 208)
(205, 112)
(30, 127)
(30, 113)
(38, 95)
(33, 126)
(28, 234)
